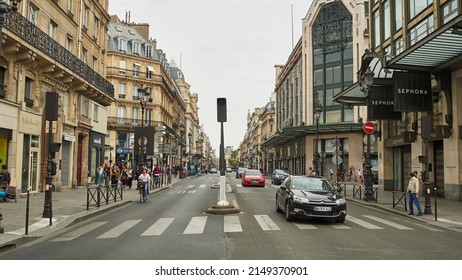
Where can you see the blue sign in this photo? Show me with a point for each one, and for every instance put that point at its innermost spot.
(123, 150)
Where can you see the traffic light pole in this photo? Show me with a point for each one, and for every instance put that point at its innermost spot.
(47, 207)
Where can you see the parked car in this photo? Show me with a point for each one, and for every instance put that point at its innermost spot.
(253, 177)
(240, 171)
(213, 170)
(228, 170)
(279, 176)
(310, 197)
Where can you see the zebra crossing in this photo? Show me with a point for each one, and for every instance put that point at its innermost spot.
(190, 189)
(233, 224)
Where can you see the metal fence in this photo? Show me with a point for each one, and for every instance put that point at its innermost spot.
(103, 194)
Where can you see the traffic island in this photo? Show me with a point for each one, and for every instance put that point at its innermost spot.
(232, 208)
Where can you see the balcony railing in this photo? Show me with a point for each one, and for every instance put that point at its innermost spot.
(125, 123)
(30, 33)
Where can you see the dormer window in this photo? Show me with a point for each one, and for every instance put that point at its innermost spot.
(148, 52)
(122, 45)
(136, 46)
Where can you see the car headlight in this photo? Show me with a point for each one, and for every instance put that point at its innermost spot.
(299, 199)
(340, 201)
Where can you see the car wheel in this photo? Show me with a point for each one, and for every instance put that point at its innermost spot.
(277, 206)
(340, 220)
(287, 209)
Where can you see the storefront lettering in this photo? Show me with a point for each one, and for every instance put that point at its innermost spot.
(97, 141)
(28, 121)
(412, 91)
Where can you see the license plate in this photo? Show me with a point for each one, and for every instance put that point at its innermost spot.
(255, 181)
(322, 208)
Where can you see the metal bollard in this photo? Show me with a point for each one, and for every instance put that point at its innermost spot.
(436, 208)
(2, 230)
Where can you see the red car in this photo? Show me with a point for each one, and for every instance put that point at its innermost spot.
(253, 177)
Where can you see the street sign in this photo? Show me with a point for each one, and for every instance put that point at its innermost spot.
(337, 159)
(369, 127)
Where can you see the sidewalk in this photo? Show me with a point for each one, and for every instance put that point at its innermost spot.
(448, 212)
(68, 207)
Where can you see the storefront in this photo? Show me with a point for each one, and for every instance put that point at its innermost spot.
(96, 152)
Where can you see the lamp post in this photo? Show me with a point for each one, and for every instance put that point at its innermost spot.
(144, 98)
(368, 81)
(317, 115)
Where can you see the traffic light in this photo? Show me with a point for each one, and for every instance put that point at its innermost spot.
(221, 109)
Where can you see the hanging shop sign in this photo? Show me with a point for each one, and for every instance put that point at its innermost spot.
(412, 91)
(381, 104)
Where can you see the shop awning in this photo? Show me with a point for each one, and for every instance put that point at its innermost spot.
(439, 50)
(290, 134)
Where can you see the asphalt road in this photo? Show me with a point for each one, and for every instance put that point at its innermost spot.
(173, 225)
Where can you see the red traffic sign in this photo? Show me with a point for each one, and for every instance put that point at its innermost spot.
(369, 127)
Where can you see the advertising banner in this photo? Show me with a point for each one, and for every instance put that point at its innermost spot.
(381, 104)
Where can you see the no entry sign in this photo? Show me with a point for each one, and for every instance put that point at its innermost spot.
(369, 127)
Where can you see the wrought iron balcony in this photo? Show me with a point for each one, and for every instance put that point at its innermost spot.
(33, 35)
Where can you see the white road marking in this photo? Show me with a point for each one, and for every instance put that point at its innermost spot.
(158, 227)
(340, 226)
(196, 225)
(392, 224)
(266, 223)
(428, 228)
(193, 191)
(362, 223)
(232, 224)
(202, 186)
(305, 226)
(119, 230)
(190, 187)
(78, 232)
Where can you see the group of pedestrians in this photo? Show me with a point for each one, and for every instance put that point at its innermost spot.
(122, 173)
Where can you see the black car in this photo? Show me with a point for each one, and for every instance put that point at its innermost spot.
(279, 176)
(240, 171)
(310, 197)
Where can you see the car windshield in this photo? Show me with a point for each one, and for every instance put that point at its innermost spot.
(312, 184)
(252, 172)
(282, 172)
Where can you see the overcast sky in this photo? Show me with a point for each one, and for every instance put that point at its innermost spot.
(225, 48)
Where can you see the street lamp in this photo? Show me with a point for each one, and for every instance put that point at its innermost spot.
(317, 115)
(367, 82)
(144, 99)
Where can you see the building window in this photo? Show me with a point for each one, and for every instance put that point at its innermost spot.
(149, 71)
(122, 68)
(417, 6)
(52, 30)
(387, 20)
(121, 114)
(28, 89)
(421, 30)
(450, 10)
(135, 115)
(122, 91)
(84, 55)
(85, 18)
(398, 14)
(135, 92)
(376, 22)
(136, 46)
(33, 13)
(148, 52)
(95, 112)
(95, 28)
(136, 69)
(147, 117)
(69, 42)
(85, 107)
(95, 63)
(122, 45)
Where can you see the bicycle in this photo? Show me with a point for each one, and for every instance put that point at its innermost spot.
(141, 187)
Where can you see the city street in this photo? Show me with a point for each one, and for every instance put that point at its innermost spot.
(173, 224)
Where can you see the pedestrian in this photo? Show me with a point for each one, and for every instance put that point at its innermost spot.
(115, 174)
(129, 176)
(144, 179)
(5, 177)
(107, 174)
(413, 191)
(99, 175)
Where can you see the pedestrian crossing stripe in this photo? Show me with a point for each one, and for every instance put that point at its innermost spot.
(231, 224)
(202, 186)
(190, 187)
(119, 230)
